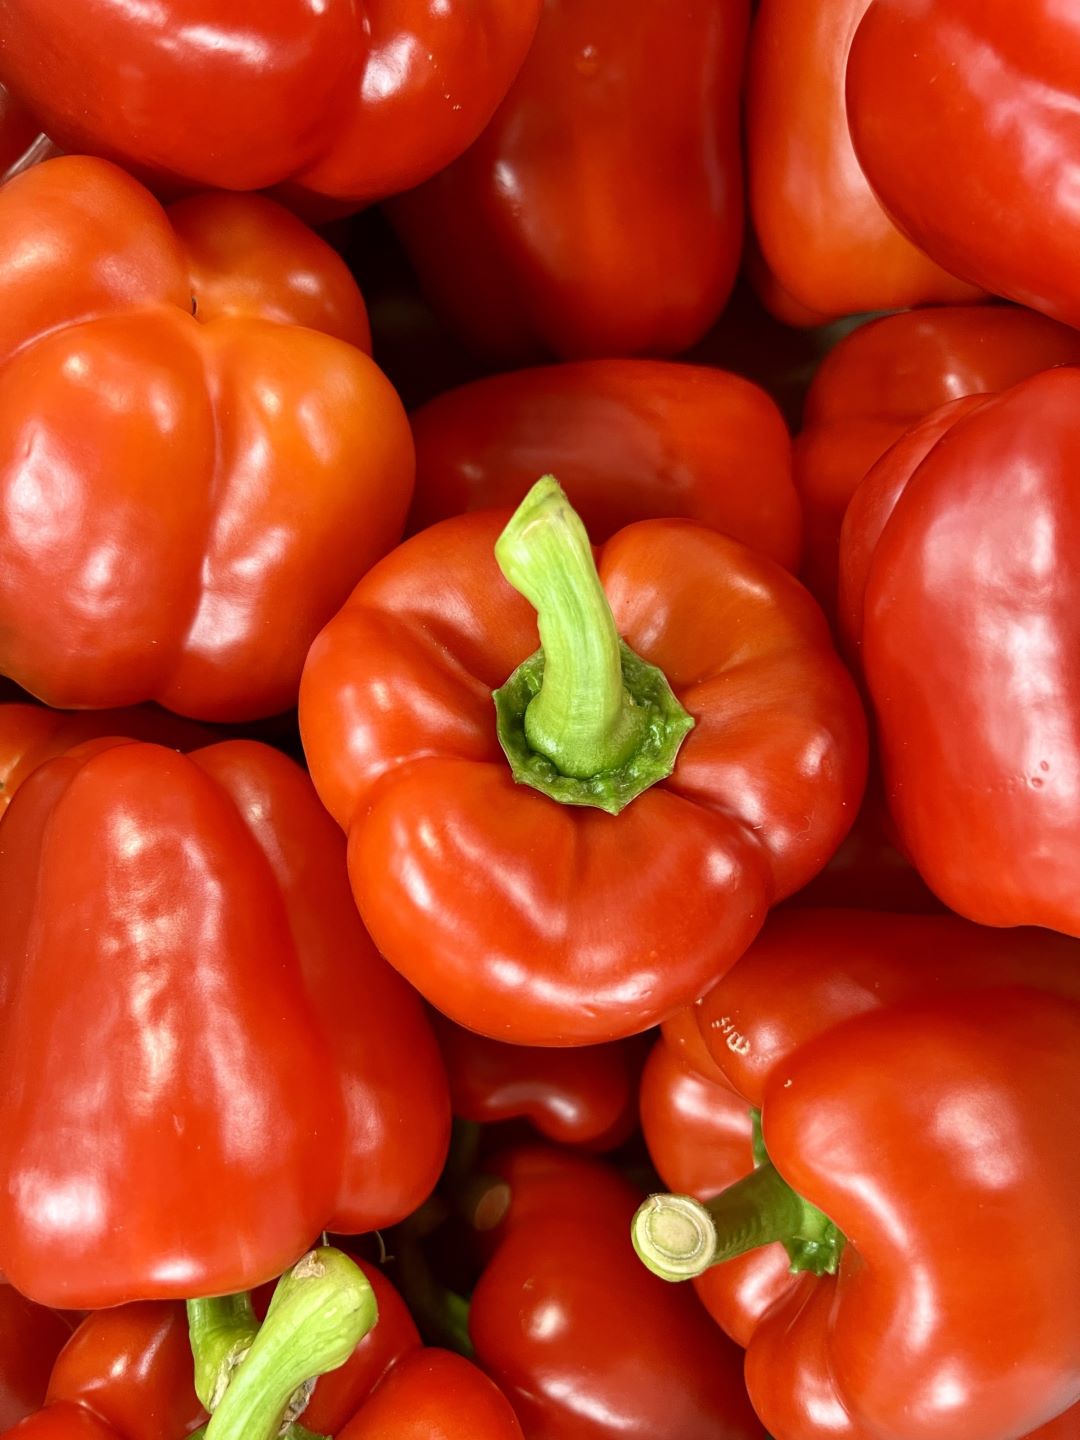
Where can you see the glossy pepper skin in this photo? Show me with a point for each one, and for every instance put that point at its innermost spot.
(698, 1131)
(586, 1096)
(184, 498)
(823, 234)
(433, 1394)
(394, 1388)
(30, 1339)
(541, 923)
(856, 1121)
(585, 1342)
(881, 379)
(988, 97)
(125, 1374)
(32, 734)
(810, 970)
(960, 589)
(583, 221)
(881, 1051)
(936, 1079)
(193, 1020)
(629, 439)
(345, 101)
(806, 972)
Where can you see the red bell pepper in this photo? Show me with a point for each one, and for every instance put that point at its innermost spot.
(30, 1339)
(152, 460)
(587, 1344)
(959, 578)
(871, 508)
(203, 1060)
(629, 439)
(514, 895)
(127, 1373)
(700, 1137)
(965, 118)
(586, 1096)
(32, 734)
(434, 1395)
(684, 1039)
(777, 303)
(810, 970)
(62, 1422)
(886, 375)
(350, 101)
(904, 1147)
(583, 221)
(822, 232)
(131, 1367)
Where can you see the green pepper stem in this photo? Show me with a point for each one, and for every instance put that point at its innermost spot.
(320, 1311)
(222, 1328)
(679, 1237)
(294, 1432)
(582, 719)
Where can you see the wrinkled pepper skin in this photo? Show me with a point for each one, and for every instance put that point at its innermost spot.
(585, 1342)
(125, 1374)
(193, 1020)
(881, 1051)
(824, 236)
(629, 440)
(965, 118)
(584, 1097)
(434, 1394)
(960, 583)
(184, 498)
(30, 1339)
(344, 101)
(584, 222)
(548, 924)
(881, 379)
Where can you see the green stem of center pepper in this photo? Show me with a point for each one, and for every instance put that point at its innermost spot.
(585, 720)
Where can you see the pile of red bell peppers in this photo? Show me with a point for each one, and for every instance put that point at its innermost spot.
(539, 720)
